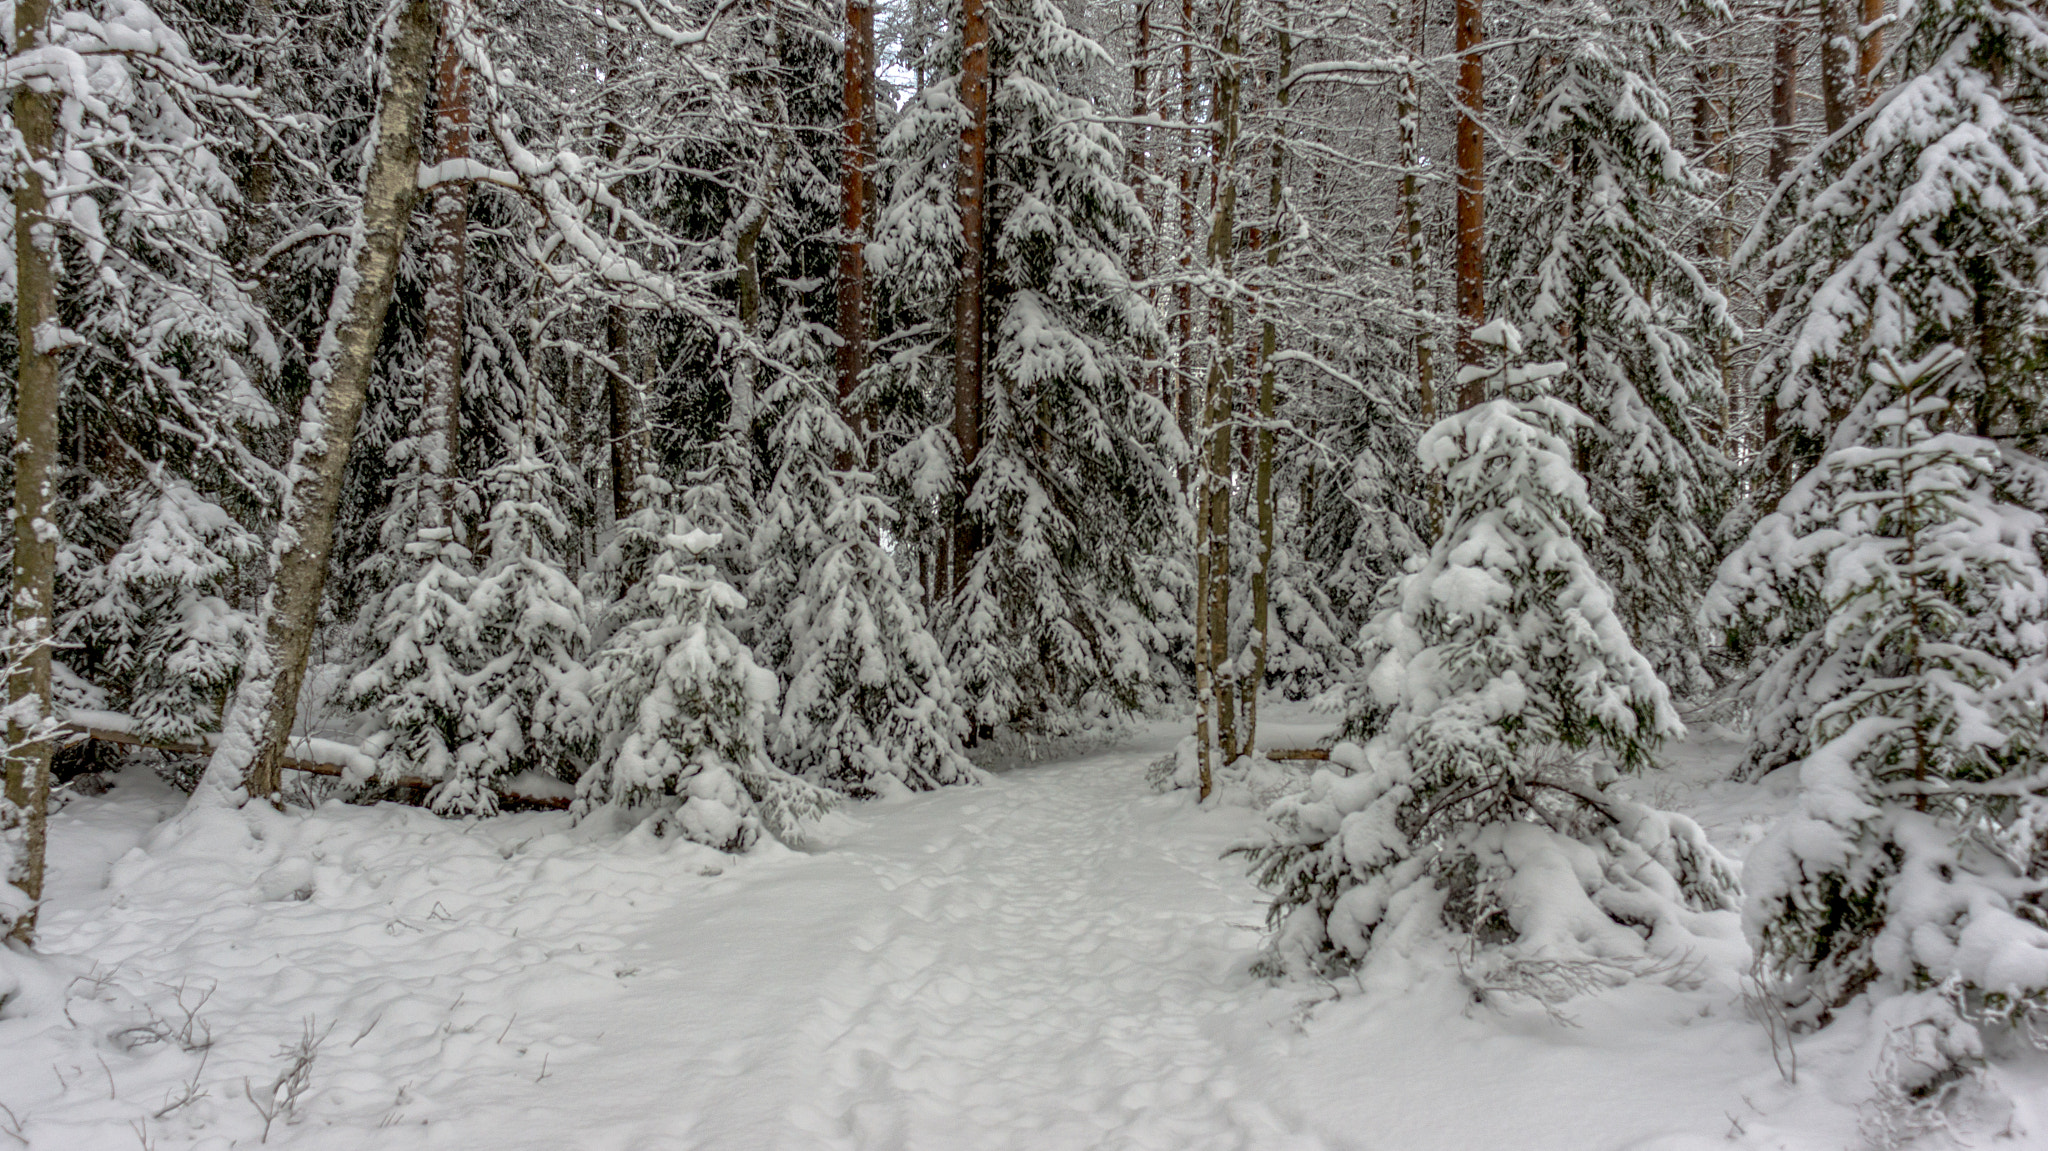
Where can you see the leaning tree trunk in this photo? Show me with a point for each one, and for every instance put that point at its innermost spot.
(35, 451)
(250, 757)
(970, 293)
(1470, 33)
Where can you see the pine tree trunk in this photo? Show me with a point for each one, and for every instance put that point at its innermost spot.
(1470, 33)
(266, 706)
(1869, 50)
(36, 387)
(969, 295)
(856, 107)
(447, 268)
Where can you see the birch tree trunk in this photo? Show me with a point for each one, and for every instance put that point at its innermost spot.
(970, 293)
(247, 762)
(36, 386)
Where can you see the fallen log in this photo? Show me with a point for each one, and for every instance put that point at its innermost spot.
(1297, 753)
(79, 731)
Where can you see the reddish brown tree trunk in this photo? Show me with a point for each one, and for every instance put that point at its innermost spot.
(1470, 33)
(853, 161)
(969, 295)
(1870, 50)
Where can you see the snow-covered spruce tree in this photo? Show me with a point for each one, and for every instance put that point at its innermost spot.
(1595, 199)
(680, 707)
(528, 703)
(1925, 221)
(1915, 869)
(870, 705)
(157, 630)
(414, 698)
(1072, 487)
(1512, 695)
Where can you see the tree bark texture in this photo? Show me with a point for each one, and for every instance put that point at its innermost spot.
(355, 325)
(1265, 443)
(447, 271)
(854, 158)
(1469, 32)
(971, 291)
(1837, 56)
(35, 452)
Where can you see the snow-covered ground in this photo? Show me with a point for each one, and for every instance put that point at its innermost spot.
(1056, 961)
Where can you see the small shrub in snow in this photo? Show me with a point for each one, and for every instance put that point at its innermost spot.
(529, 700)
(680, 706)
(1512, 693)
(414, 697)
(871, 706)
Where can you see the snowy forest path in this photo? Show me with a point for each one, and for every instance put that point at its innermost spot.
(1053, 961)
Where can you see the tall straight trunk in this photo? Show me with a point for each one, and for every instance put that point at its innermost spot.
(1141, 143)
(259, 185)
(1184, 292)
(1837, 56)
(621, 410)
(743, 394)
(1469, 32)
(857, 98)
(1268, 402)
(1785, 39)
(970, 294)
(1214, 594)
(259, 725)
(1413, 254)
(36, 387)
(447, 265)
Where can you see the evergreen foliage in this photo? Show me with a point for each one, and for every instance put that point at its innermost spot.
(1915, 860)
(1508, 694)
(1591, 270)
(680, 707)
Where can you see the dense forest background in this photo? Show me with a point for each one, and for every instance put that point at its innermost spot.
(724, 409)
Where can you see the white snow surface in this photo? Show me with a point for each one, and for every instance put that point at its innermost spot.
(1057, 960)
